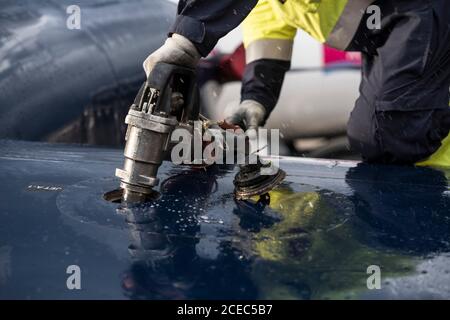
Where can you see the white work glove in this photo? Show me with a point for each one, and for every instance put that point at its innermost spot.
(176, 50)
(248, 115)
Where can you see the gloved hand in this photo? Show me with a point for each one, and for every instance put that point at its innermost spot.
(176, 50)
(248, 115)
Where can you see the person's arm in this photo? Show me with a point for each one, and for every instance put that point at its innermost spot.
(262, 82)
(198, 27)
(261, 87)
(204, 22)
(268, 43)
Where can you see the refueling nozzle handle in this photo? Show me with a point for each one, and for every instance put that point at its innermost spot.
(166, 79)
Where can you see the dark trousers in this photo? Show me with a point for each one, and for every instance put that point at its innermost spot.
(403, 113)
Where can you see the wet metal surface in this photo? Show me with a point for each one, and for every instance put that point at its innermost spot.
(323, 227)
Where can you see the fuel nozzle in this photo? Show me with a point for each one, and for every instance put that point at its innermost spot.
(167, 99)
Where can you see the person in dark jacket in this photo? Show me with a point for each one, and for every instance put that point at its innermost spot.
(402, 115)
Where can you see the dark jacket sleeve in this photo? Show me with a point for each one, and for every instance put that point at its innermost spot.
(262, 82)
(204, 22)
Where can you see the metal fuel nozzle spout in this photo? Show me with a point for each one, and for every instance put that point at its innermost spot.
(167, 99)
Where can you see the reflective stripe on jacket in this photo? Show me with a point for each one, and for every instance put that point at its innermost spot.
(274, 23)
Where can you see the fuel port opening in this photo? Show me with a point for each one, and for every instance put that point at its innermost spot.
(117, 196)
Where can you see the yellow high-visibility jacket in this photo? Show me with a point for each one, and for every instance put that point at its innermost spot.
(275, 22)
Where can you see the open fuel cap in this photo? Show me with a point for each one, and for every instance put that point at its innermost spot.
(251, 182)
